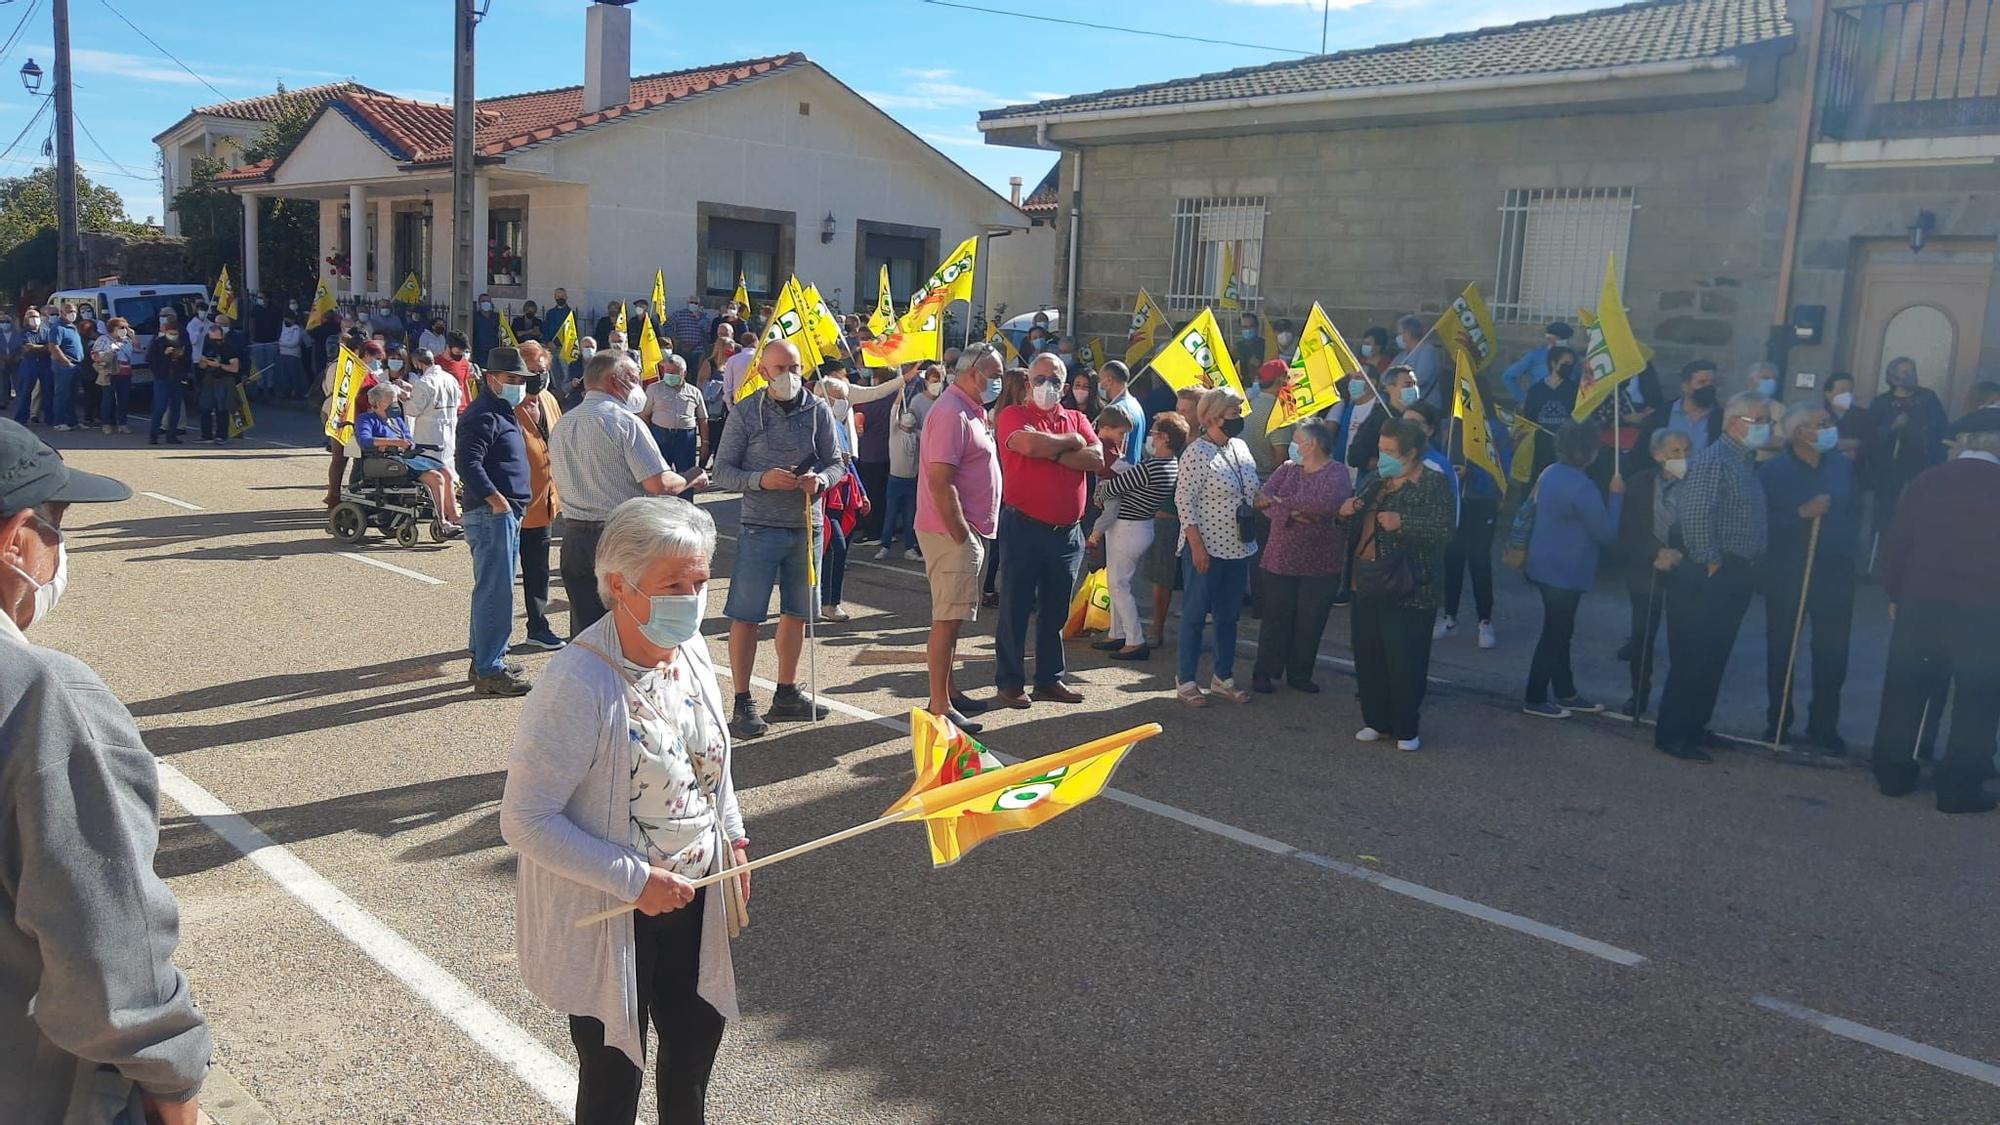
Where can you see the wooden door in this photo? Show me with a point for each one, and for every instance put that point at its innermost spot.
(1929, 307)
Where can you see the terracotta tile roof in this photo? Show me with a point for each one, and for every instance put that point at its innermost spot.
(1041, 202)
(1652, 32)
(247, 174)
(264, 107)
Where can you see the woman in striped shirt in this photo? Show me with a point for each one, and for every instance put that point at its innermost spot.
(1139, 493)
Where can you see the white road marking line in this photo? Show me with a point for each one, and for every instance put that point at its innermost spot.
(1442, 899)
(514, 1048)
(164, 499)
(1888, 1041)
(279, 444)
(390, 567)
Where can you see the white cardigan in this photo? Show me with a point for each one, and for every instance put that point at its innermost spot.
(566, 810)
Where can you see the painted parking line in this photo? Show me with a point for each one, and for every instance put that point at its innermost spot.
(390, 567)
(1884, 1040)
(165, 499)
(1444, 900)
(546, 1074)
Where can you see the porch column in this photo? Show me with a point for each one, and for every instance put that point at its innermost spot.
(386, 278)
(357, 240)
(251, 282)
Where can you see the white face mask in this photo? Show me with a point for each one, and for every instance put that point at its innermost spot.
(933, 387)
(1676, 467)
(784, 386)
(47, 594)
(586, 353)
(1844, 400)
(635, 400)
(1046, 396)
(840, 408)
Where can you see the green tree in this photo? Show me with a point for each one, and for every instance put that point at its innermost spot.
(28, 206)
(288, 229)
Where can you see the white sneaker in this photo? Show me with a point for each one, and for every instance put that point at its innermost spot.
(107, 428)
(1409, 744)
(882, 554)
(914, 555)
(1445, 627)
(1486, 637)
(834, 613)
(63, 429)
(1368, 734)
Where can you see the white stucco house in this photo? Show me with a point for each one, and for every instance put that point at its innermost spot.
(763, 167)
(223, 131)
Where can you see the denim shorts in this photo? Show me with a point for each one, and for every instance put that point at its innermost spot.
(767, 557)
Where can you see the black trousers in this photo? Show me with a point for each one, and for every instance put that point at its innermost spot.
(689, 1031)
(579, 574)
(1550, 666)
(875, 482)
(1829, 621)
(535, 578)
(1295, 612)
(1392, 662)
(1935, 644)
(1472, 549)
(1704, 613)
(1648, 597)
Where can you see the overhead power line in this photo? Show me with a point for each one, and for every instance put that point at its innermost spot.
(171, 57)
(98, 145)
(24, 129)
(14, 37)
(1124, 30)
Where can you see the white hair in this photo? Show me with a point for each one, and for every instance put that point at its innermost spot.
(1062, 369)
(381, 393)
(1660, 439)
(1985, 441)
(833, 386)
(646, 529)
(970, 357)
(1744, 403)
(1760, 369)
(675, 362)
(1796, 416)
(604, 366)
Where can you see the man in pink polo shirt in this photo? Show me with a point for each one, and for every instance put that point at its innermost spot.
(1049, 455)
(957, 506)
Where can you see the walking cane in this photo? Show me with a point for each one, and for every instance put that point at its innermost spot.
(812, 614)
(1646, 654)
(1798, 626)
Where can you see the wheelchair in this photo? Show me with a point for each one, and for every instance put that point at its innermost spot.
(382, 492)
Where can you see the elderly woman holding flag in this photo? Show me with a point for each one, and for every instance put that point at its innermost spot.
(619, 792)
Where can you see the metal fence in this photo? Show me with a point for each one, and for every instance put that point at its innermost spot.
(1205, 232)
(1554, 243)
(1911, 67)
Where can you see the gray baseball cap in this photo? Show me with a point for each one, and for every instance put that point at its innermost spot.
(31, 473)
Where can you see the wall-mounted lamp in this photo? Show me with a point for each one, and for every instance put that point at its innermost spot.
(1920, 231)
(346, 212)
(428, 213)
(826, 228)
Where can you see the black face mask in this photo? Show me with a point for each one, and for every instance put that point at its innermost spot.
(1231, 427)
(1704, 397)
(537, 383)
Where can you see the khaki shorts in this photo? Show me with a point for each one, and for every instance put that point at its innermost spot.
(953, 569)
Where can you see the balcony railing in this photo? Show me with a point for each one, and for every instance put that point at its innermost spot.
(1911, 68)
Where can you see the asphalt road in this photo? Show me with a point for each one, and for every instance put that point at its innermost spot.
(1267, 922)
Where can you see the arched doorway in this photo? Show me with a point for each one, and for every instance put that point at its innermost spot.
(1924, 334)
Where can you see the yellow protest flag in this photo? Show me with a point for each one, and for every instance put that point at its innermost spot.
(1149, 326)
(1466, 323)
(742, 298)
(507, 331)
(617, 325)
(659, 295)
(885, 308)
(1469, 409)
(347, 376)
(1269, 334)
(999, 340)
(788, 323)
(951, 281)
(565, 346)
(1318, 372)
(322, 304)
(1228, 295)
(411, 292)
(966, 796)
(825, 326)
(1611, 354)
(1195, 357)
(1521, 470)
(907, 342)
(650, 354)
(225, 295)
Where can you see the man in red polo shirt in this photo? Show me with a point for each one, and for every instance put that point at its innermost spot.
(1048, 456)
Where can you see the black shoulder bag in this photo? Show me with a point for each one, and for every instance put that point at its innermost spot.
(1389, 575)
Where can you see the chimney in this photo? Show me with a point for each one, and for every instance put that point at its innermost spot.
(1014, 190)
(607, 56)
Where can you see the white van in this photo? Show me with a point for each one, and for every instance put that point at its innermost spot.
(140, 305)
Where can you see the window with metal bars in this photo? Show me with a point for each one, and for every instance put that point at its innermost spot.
(1553, 246)
(1209, 233)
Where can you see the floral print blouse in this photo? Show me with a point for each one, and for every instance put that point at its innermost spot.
(677, 759)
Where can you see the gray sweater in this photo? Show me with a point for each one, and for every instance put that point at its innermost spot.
(762, 436)
(92, 1009)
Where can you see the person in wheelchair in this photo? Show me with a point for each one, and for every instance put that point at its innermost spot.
(380, 434)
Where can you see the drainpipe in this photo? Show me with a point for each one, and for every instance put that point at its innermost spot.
(1780, 343)
(1075, 217)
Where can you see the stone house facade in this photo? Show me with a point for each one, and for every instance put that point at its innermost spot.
(1382, 181)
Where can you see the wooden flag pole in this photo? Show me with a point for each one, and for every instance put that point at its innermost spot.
(1798, 626)
(774, 857)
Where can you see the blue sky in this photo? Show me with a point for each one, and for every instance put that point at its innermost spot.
(933, 68)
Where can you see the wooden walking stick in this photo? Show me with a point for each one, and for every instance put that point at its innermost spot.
(1798, 626)
(1646, 653)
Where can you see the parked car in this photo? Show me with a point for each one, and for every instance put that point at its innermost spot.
(140, 305)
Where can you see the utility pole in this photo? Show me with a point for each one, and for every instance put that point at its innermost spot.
(69, 240)
(464, 240)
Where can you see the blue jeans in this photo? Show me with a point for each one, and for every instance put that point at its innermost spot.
(264, 359)
(112, 400)
(496, 547)
(166, 410)
(291, 376)
(677, 446)
(767, 557)
(1217, 594)
(63, 412)
(31, 374)
(833, 563)
(216, 401)
(899, 512)
(1037, 575)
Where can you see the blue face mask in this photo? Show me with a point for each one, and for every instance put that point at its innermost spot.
(1410, 395)
(1389, 465)
(1357, 386)
(1825, 440)
(513, 393)
(1767, 387)
(1759, 435)
(1292, 451)
(674, 619)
